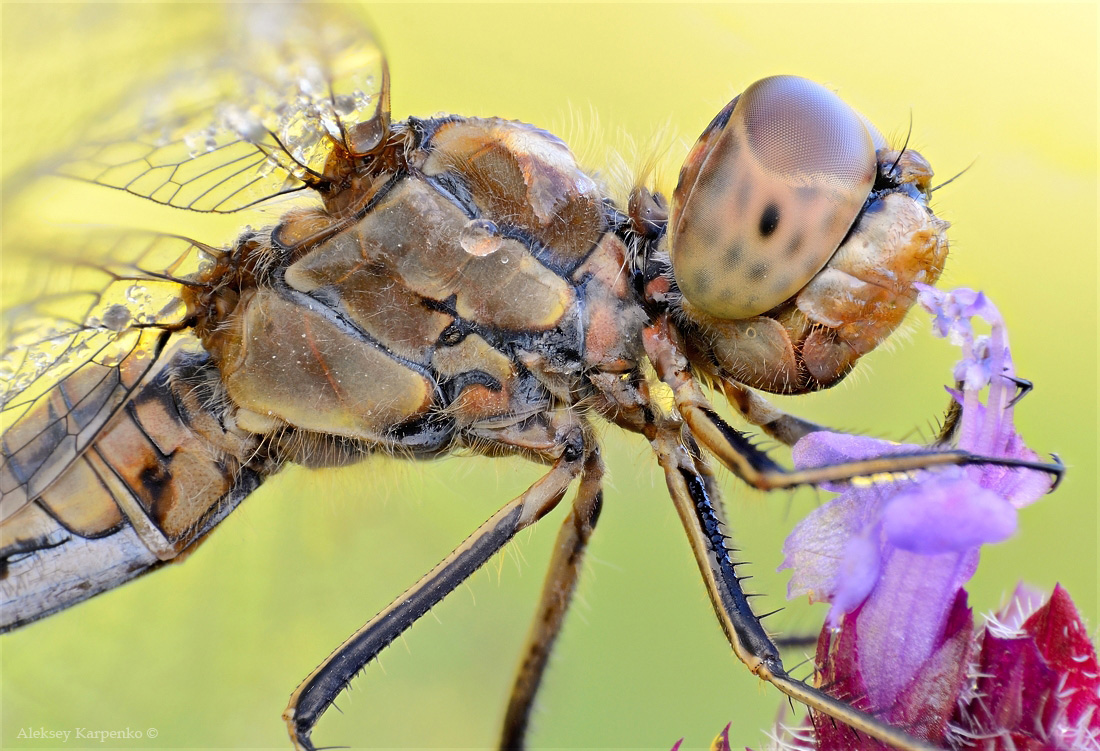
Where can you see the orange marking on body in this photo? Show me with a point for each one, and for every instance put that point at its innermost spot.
(320, 359)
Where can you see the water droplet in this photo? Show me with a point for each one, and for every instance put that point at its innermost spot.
(117, 317)
(201, 142)
(136, 293)
(245, 124)
(193, 143)
(344, 105)
(479, 238)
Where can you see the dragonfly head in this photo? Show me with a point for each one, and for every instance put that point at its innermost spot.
(766, 195)
(795, 236)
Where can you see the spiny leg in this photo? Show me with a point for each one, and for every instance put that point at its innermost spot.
(557, 592)
(736, 451)
(790, 429)
(310, 700)
(691, 491)
(710, 487)
(782, 426)
(794, 641)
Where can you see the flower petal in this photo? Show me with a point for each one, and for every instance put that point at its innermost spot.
(857, 576)
(902, 622)
(947, 514)
(1019, 487)
(818, 550)
(924, 707)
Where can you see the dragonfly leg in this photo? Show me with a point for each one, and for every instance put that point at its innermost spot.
(557, 592)
(789, 429)
(310, 700)
(695, 496)
(951, 421)
(737, 452)
(782, 426)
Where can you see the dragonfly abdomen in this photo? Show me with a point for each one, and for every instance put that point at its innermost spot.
(161, 474)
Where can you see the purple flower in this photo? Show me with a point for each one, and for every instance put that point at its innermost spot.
(892, 558)
(1028, 680)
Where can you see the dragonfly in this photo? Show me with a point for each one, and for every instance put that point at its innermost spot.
(459, 284)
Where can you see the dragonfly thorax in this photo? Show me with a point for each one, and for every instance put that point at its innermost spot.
(478, 282)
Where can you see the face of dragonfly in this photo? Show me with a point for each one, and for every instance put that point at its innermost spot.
(795, 238)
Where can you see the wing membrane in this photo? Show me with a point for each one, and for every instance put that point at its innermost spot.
(295, 85)
(298, 93)
(91, 333)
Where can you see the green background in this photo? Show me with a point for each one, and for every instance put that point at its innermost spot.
(207, 652)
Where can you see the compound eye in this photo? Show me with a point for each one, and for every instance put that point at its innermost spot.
(766, 196)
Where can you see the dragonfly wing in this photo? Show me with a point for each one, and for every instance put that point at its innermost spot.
(87, 338)
(295, 85)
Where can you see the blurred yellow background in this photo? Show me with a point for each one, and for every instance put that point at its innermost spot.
(208, 652)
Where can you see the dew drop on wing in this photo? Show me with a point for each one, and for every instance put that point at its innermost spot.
(116, 317)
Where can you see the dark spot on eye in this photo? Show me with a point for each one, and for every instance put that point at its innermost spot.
(807, 195)
(769, 220)
(742, 192)
(794, 246)
(757, 272)
(714, 181)
(782, 284)
(733, 255)
(833, 222)
(700, 282)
